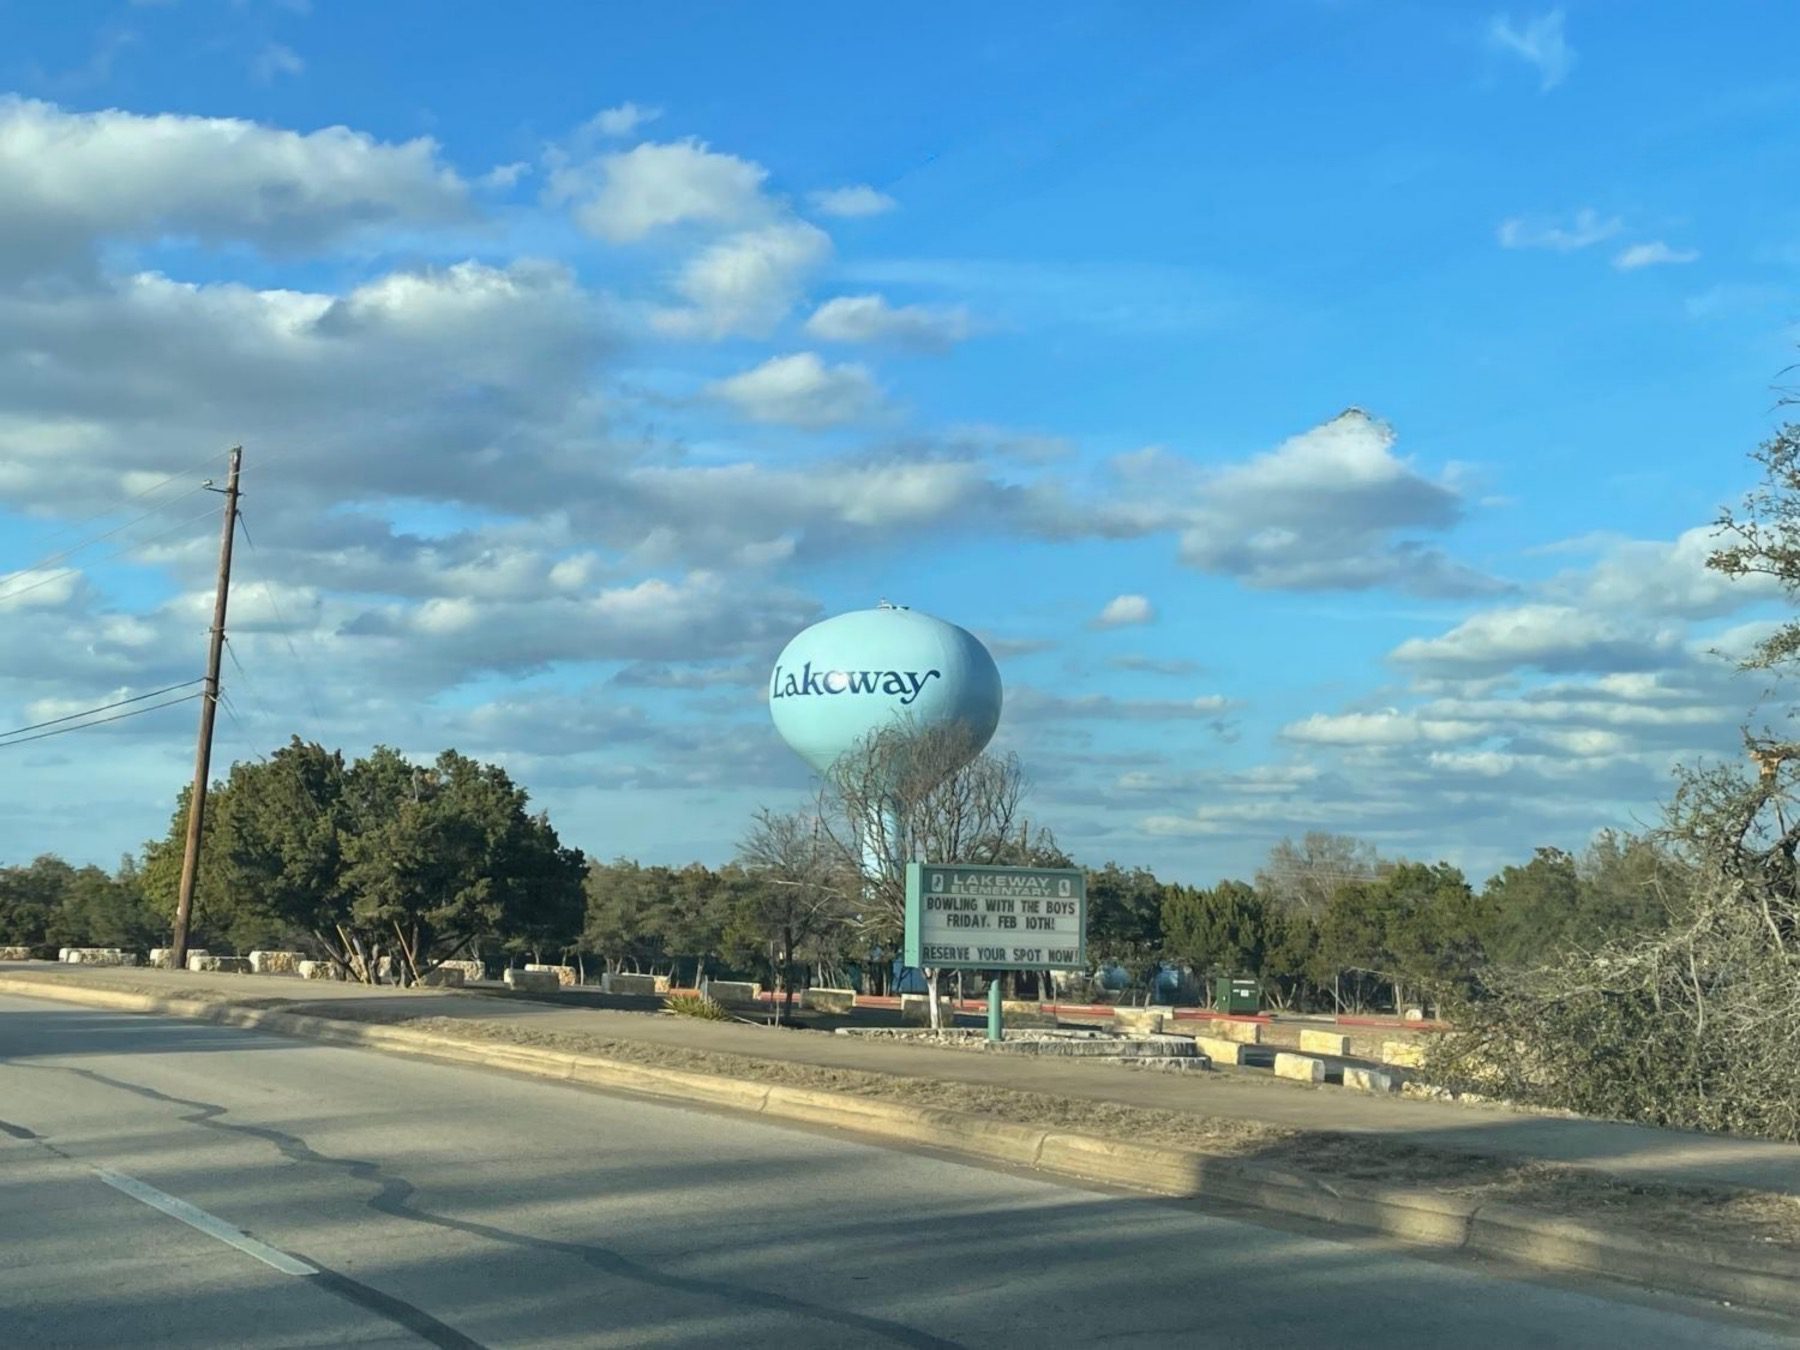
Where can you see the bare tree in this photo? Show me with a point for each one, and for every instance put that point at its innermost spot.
(1303, 876)
(1695, 1024)
(910, 793)
(794, 901)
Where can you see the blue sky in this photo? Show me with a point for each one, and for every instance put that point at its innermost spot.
(581, 355)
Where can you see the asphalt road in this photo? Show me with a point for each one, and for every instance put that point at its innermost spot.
(172, 1184)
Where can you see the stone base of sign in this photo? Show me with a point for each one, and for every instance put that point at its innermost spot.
(530, 981)
(725, 991)
(1303, 1068)
(1324, 1043)
(1022, 1014)
(276, 963)
(818, 999)
(638, 986)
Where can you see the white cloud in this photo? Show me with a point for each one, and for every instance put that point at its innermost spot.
(1027, 704)
(70, 179)
(746, 283)
(623, 120)
(1666, 579)
(1389, 727)
(1654, 254)
(1587, 228)
(1538, 41)
(1544, 637)
(869, 318)
(624, 196)
(801, 391)
(1321, 511)
(851, 202)
(274, 61)
(1124, 611)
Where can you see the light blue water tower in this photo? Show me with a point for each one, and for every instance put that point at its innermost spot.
(858, 673)
(846, 678)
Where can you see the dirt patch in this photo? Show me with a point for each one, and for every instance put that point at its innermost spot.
(1720, 1214)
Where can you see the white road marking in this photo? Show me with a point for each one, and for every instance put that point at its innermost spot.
(204, 1222)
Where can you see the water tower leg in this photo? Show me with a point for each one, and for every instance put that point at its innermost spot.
(996, 1032)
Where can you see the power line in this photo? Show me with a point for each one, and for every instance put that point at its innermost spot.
(306, 678)
(100, 722)
(139, 495)
(50, 558)
(124, 547)
(104, 707)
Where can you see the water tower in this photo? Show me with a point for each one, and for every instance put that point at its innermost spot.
(861, 672)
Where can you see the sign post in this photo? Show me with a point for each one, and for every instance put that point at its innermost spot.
(994, 919)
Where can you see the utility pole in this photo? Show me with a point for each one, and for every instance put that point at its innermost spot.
(209, 708)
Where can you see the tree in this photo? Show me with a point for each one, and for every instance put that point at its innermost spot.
(29, 899)
(1303, 877)
(791, 896)
(443, 856)
(1223, 929)
(625, 913)
(1764, 540)
(1415, 925)
(1125, 922)
(906, 793)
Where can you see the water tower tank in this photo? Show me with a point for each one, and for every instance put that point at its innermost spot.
(851, 675)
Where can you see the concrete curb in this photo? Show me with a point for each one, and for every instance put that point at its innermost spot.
(1750, 1276)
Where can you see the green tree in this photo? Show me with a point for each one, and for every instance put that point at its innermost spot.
(1125, 922)
(440, 857)
(1223, 929)
(29, 899)
(625, 912)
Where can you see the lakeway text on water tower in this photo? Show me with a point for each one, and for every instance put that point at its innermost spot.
(995, 918)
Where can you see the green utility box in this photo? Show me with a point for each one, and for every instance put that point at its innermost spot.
(1236, 994)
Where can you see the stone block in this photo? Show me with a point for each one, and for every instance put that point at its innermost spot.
(1407, 1054)
(664, 983)
(276, 963)
(915, 1010)
(1368, 1080)
(723, 991)
(219, 965)
(567, 977)
(1303, 1068)
(1414, 1015)
(636, 986)
(530, 981)
(444, 977)
(15, 953)
(1142, 1021)
(1324, 1043)
(471, 970)
(318, 970)
(99, 956)
(819, 999)
(1244, 1033)
(1219, 1050)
